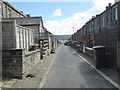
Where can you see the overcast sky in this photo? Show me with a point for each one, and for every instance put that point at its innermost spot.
(60, 17)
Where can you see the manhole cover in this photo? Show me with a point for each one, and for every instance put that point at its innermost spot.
(74, 54)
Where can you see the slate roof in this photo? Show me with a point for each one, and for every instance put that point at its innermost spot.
(28, 21)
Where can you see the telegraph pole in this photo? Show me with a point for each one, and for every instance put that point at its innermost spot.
(73, 33)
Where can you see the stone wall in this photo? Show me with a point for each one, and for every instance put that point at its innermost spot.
(17, 64)
(14, 12)
(24, 37)
(30, 61)
(89, 52)
(1, 10)
(12, 63)
(0, 51)
(36, 33)
(108, 37)
(8, 35)
(15, 36)
(118, 55)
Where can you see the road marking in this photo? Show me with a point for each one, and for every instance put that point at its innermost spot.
(45, 76)
(103, 75)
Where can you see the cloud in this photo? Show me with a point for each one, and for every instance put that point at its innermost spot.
(57, 12)
(77, 20)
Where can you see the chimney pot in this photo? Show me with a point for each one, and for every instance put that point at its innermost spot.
(110, 4)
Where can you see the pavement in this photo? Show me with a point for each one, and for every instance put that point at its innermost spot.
(110, 74)
(38, 72)
(69, 70)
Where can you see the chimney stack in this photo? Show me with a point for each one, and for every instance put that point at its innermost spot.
(107, 7)
(21, 12)
(117, 1)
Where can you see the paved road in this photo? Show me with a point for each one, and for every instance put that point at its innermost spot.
(70, 71)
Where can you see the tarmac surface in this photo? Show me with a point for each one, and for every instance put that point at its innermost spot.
(38, 72)
(67, 68)
(70, 71)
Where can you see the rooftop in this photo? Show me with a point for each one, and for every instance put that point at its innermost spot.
(27, 21)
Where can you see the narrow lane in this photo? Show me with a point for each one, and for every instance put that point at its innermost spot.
(70, 71)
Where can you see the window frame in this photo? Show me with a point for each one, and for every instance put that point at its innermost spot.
(0, 10)
(9, 14)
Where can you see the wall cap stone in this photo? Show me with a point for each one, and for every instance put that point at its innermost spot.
(14, 49)
(31, 53)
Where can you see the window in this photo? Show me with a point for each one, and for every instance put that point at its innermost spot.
(92, 26)
(84, 31)
(116, 13)
(107, 17)
(102, 20)
(95, 23)
(9, 13)
(111, 15)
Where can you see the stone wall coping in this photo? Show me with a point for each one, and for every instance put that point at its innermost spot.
(89, 48)
(78, 45)
(14, 49)
(24, 27)
(31, 53)
(118, 45)
(4, 21)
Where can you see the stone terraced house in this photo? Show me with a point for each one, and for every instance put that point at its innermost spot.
(24, 41)
(103, 29)
(8, 11)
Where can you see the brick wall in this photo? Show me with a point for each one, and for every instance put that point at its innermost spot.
(17, 64)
